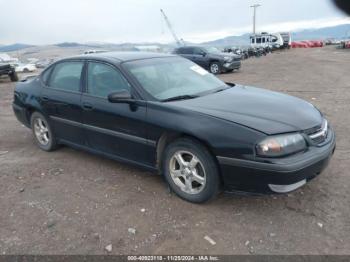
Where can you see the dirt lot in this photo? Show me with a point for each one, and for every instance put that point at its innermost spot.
(72, 202)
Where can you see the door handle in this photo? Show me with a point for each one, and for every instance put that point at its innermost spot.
(87, 106)
(45, 98)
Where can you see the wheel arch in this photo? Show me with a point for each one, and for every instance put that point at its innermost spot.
(169, 136)
(214, 61)
(30, 109)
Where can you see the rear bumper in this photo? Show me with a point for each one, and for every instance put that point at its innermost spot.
(278, 175)
(7, 71)
(21, 114)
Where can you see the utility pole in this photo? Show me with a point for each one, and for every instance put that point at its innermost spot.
(254, 16)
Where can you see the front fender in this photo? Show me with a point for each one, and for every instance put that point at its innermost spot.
(224, 138)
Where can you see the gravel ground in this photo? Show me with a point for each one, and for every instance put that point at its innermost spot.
(72, 202)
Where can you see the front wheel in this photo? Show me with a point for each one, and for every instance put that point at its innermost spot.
(42, 132)
(214, 68)
(14, 77)
(191, 171)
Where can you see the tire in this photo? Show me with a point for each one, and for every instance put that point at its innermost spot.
(215, 68)
(43, 134)
(14, 77)
(200, 171)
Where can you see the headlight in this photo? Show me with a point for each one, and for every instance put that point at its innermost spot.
(281, 145)
(227, 58)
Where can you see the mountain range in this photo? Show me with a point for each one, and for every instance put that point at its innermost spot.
(336, 32)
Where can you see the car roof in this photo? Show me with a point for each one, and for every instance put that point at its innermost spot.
(124, 56)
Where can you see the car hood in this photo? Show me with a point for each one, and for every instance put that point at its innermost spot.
(260, 109)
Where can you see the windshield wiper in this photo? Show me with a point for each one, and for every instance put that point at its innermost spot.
(222, 89)
(182, 97)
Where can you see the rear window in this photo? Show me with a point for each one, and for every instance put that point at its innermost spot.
(184, 50)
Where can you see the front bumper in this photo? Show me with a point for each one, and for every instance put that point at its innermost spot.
(277, 175)
(231, 65)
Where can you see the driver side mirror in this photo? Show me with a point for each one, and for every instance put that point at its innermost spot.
(203, 53)
(122, 96)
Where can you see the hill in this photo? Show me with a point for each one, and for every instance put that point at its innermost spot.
(13, 47)
(337, 32)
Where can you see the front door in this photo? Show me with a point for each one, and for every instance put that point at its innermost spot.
(114, 128)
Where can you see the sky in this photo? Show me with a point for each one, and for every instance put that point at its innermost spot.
(120, 21)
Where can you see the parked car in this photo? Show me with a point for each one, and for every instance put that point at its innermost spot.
(25, 68)
(167, 114)
(43, 63)
(237, 51)
(9, 70)
(87, 52)
(210, 58)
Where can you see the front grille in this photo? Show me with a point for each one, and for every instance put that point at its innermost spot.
(319, 133)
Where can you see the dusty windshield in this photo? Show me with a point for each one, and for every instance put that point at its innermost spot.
(169, 77)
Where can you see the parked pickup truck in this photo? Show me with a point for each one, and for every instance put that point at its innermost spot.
(7, 69)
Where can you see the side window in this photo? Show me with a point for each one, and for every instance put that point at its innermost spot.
(104, 79)
(66, 76)
(197, 51)
(253, 40)
(185, 50)
(258, 40)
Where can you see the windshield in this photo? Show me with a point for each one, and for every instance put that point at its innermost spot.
(212, 50)
(169, 77)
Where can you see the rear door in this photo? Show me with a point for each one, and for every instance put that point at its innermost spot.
(186, 52)
(117, 129)
(60, 99)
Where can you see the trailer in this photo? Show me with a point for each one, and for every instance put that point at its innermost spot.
(274, 40)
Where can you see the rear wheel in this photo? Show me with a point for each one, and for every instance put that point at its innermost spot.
(42, 132)
(191, 171)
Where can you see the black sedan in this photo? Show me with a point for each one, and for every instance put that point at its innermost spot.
(167, 114)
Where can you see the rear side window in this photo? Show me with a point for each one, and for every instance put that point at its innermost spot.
(185, 50)
(66, 76)
(104, 80)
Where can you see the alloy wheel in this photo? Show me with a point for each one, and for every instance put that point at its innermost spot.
(41, 131)
(214, 68)
(187, 172)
